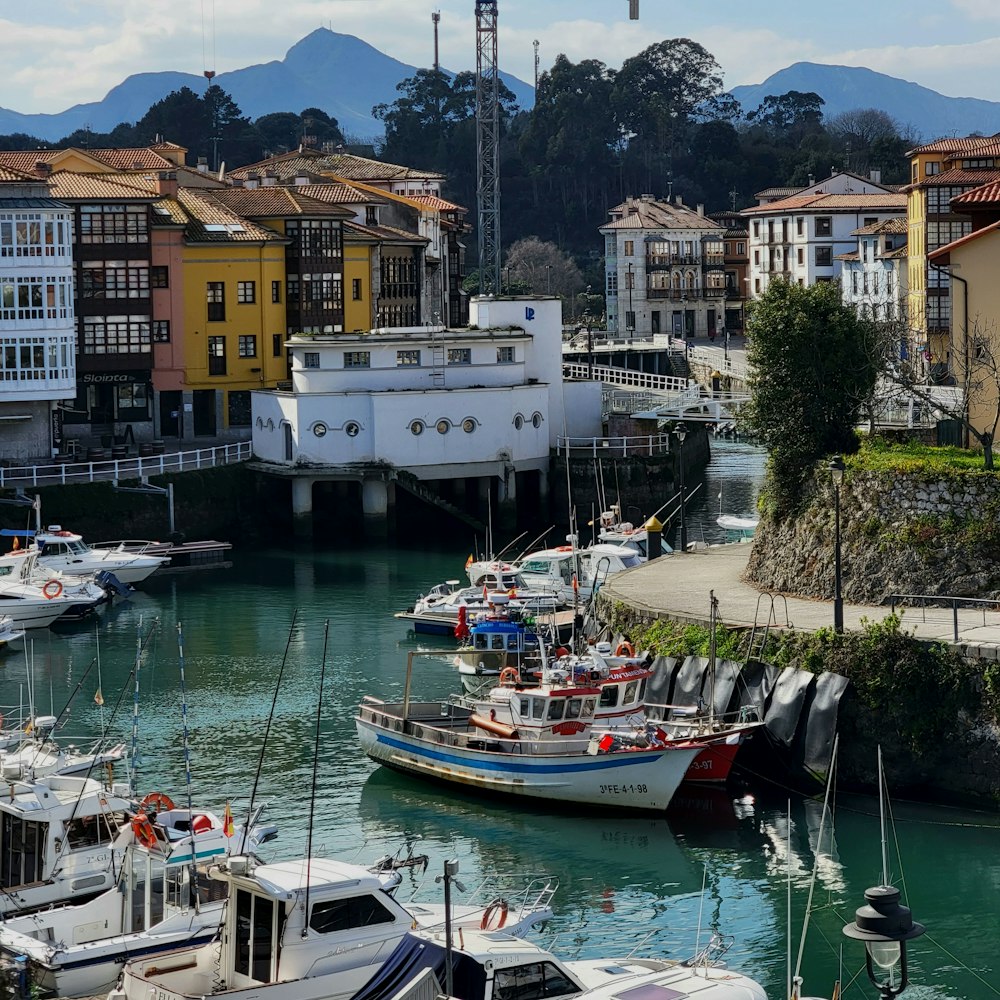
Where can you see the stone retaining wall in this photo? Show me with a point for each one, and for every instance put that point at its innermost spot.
(900, 533)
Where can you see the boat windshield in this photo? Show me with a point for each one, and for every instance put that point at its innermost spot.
(631, 559)
(78, 547)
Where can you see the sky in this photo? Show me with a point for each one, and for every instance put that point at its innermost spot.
(64, 52)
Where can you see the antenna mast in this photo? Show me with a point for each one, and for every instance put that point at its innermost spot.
(436, 18)
(488, 146)
(535, 44)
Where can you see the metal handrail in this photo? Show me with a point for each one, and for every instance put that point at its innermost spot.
(625, 377)
(955, 603)
(642, 444)
(126, 468)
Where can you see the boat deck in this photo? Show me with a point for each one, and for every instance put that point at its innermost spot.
(185, 557)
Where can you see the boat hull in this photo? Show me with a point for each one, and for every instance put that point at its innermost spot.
(635, 780)
(714, 762)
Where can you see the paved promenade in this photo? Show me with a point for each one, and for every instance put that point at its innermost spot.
(677, 587)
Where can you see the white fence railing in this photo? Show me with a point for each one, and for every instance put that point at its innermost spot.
(625, 377)
(619, 447)
(124, 468)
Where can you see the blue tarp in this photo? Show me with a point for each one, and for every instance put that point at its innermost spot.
(411, 957)
(17, 532)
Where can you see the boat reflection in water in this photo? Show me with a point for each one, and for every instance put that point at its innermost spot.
(618, 874)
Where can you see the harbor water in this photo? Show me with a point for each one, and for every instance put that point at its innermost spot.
(724, 861)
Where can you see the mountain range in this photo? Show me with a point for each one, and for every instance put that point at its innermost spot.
(340, 74)
(345, 76)
(844, 88)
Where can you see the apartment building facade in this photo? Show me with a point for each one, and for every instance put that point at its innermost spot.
(665, 270)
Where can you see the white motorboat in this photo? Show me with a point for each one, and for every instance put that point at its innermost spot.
(32, 606)
(57, 837)
(67, 552)
(484, 965)
(738, 529)
(164, 900)
(84, 589)
(35, 754)
(548, 747)
(309, 928)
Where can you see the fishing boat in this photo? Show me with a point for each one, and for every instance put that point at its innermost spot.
(550, 748)
(163, 899)
(309, 928)
(437, 613)
(60, 550)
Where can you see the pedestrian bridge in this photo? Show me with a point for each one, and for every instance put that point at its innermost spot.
(662, 397)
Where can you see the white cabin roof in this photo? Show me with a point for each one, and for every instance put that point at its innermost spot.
(290, 876)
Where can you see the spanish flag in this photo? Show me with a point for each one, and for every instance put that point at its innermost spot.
(227, 821)
(17, 545)
(468, 562)
(98, 697)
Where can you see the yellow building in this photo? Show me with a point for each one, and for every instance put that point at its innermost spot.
(940, 171)
(360, 249)
(234, 325)
(971, 264)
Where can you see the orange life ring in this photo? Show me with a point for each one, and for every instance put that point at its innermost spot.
(564, 548)
(158, 801)
(625, 649)
(509, 674)
(494, 916)
(143, 830)
(52, 589)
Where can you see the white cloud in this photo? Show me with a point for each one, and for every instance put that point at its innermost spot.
(980, 10)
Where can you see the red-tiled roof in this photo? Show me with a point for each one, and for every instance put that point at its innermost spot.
(438, 204)
(957, 178)
(274, 202)
(347, 165)
(138, 158)
(72, 186)
(778, 192)
(893, 226)
(942, 253)
(645, 213)
(888, 201)
(341, 194)
(985, 194)
(966, 144)
(19, 176)
(383, 234)
(210, 221)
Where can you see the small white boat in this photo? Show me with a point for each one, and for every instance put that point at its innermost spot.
(485, 965)
(549, 748)
(33, 606)
(309, 928)
(34, 754)
(79, 950)
(60, 550)
(9, 632)
(83, 588)
(738, 528)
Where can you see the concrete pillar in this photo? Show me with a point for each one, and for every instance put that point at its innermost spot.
(391, 506)
(375, 505)
(302, 506)
(507, 498)
(187, 415)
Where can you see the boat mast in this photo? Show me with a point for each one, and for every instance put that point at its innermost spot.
(713, 611)
(193, 888)
(312, 790)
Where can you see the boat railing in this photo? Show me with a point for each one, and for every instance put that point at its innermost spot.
(694, 715)
(523, 894)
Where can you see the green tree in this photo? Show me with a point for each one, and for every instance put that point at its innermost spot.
(811, 370)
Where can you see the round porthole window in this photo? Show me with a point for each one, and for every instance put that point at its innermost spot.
(518, 422)
(352, 429)
(417, 427)
(468, 425)
(320, 430)
(536, 420)
(443, 427)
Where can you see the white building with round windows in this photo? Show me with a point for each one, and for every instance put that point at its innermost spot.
(37, 336)
(486, 402)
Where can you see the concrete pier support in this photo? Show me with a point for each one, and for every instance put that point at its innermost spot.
(507, 498)
(302, 506)
(375, 505)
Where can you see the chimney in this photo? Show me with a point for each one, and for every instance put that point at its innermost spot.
(812, 180)
(269, 179)
(166, 183)
(237, 182)
(701, 209)
(301, 180)
(875, 175)
(678, 200)
(253, 179)
(203, 164)
(43, 168)
(833, 171)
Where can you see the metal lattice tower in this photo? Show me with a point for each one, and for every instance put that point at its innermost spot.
(488, 146)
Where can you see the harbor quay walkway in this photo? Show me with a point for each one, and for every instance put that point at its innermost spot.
(676, 587)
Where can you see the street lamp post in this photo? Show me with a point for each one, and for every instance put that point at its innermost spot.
(548, 279)
(681, 431)
(884, 925)
(837, 475)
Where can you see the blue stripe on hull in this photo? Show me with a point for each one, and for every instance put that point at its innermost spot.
(597, 763)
